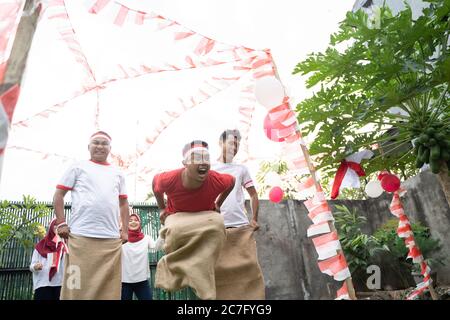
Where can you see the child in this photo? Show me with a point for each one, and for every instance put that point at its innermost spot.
(47, 265)
(135, 264)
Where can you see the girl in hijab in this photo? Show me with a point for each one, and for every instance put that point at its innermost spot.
(47, 265)
(135, 262)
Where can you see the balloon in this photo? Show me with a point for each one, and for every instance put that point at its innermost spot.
(276, 194)
(269, 92)
(382, 174)
(272, 179)
(373, 189)
(271, 129)
(390, 183)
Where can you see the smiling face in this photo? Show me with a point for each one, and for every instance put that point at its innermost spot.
(197, 165)
(99, 149)
(133, 223)
(230, 148)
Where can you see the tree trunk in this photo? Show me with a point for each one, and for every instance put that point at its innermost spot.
(444, 179)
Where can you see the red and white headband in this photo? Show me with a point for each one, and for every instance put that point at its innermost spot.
(197, 148)
(100, 135)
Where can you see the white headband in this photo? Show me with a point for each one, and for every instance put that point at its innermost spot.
(100, 135)
(188, 154)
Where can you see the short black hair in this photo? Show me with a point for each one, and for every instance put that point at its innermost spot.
(230, 132)
(192, 144)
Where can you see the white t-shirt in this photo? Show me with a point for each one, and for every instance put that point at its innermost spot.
(40, 278)
(135, 265)
(95, 190)
(233, 208)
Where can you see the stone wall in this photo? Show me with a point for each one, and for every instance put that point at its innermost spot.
(289, 260)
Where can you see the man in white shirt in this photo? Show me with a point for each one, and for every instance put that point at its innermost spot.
(93, 266)
(238, 274)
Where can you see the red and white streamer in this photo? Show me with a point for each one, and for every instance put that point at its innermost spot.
(327, 245)
(10, 14)
(405, 232)
(327, 242)
(336, 267)
(56, 10)
(342, 293)
(8, 101)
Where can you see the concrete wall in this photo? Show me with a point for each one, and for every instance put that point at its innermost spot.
(289, 260)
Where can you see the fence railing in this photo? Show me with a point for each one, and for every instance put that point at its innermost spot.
(16, 282)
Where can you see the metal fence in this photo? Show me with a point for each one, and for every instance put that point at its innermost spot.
(16, 282)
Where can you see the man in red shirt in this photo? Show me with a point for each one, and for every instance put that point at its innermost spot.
(193, 230)
(194, 187)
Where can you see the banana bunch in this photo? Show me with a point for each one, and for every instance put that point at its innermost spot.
(433, 147)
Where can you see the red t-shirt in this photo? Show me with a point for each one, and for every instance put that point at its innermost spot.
(180, 199)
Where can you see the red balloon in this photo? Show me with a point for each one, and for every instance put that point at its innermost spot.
(390, 183)
(382, 174)
(276, 194)
(271, 127)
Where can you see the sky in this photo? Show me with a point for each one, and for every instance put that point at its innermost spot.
(38, 154)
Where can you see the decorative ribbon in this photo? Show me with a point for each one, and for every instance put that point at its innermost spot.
(341, 172)
(405, 232)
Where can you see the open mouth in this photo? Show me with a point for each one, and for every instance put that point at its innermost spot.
(202, 171)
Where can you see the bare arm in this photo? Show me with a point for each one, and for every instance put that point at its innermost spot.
(125, 217)
(255, 206)
(58, 205)
(224, 195)
(159, 196)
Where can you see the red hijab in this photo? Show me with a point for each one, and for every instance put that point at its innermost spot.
(48, 245)
(135, 235)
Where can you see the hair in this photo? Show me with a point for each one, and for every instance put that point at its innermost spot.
(229, 132)
(102, 132)
(193, 143)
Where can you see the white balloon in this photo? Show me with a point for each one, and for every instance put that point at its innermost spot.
(374, 189)
(269, 92)
(272, 179)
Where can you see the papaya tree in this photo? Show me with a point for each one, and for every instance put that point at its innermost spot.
(373, 66)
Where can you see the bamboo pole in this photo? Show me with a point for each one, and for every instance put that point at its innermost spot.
(16, 63)
(312, 170)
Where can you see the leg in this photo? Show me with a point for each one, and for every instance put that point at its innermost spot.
(127, 291)
(43, 293)
(143, 291)
(56, 292)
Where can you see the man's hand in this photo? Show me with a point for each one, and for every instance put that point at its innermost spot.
(124, 236)
(63, 231)
(163, 215)
(216, 208)
(38, 266)
(254, 224)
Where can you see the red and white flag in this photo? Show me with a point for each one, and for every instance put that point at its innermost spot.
(320, 214)
(327, 245)
(320, 228)
(8, 101)
(336, 267)
(342, 293)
